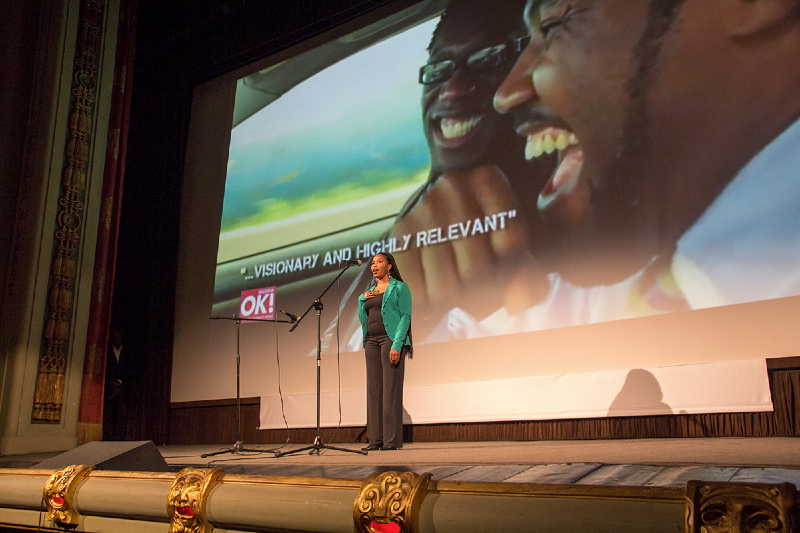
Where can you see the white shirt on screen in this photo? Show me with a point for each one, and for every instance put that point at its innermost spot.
(746, 245)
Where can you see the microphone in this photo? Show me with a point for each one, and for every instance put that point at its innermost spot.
(290, 315)
(353, 262)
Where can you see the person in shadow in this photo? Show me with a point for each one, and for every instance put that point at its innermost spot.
(115, 408)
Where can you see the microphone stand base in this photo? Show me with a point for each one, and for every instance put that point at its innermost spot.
(315, 449)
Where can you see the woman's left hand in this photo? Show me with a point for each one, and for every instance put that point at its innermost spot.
(394, 357)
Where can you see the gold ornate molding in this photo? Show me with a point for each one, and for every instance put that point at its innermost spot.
(390, 498)
(58, 493)
(187, 500)
(740, 507)
(49, 395)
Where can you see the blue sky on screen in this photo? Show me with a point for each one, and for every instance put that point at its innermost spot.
(360, 113)
(384, 74)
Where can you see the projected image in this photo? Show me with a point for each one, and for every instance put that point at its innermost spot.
(528, 170)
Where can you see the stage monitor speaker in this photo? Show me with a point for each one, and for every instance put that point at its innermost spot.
(138, 456)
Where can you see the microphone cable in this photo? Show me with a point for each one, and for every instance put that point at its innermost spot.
(338, 352)
(280, 392)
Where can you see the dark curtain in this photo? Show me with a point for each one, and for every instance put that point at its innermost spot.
(90, 415)
(146, 266)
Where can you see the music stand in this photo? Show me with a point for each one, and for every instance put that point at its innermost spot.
(318, 444)
(239, 446)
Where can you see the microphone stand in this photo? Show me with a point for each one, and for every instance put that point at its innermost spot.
(239, 446)
(318, 444)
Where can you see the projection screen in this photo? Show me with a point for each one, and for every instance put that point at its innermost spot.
(345, 147)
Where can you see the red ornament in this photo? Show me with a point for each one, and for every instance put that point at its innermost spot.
(391, 527)
(185, 511)
(57, 500)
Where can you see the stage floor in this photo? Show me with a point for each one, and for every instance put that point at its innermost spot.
(635, 462)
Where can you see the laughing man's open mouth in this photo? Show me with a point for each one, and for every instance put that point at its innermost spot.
(566, 175)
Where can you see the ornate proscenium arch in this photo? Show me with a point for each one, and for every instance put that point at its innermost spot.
(49, 394)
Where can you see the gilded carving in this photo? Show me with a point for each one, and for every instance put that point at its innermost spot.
(187, 500)
(49, 394)
(739, 507)
(388, 498)
(58, 493)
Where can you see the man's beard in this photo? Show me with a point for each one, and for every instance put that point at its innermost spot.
(626, 228)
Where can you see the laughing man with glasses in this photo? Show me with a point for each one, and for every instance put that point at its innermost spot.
(478, 169)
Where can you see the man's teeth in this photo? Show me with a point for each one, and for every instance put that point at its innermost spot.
(548, 143)
(453, 128)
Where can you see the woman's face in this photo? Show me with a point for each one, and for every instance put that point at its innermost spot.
(380, 266)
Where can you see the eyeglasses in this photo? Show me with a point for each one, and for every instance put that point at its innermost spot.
(477, 62)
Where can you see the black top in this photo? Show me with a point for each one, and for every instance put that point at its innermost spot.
(374, 317)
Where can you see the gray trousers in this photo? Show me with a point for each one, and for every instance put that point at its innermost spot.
(384, 393)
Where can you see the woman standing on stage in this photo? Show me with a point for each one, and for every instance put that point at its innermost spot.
(385, 314)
